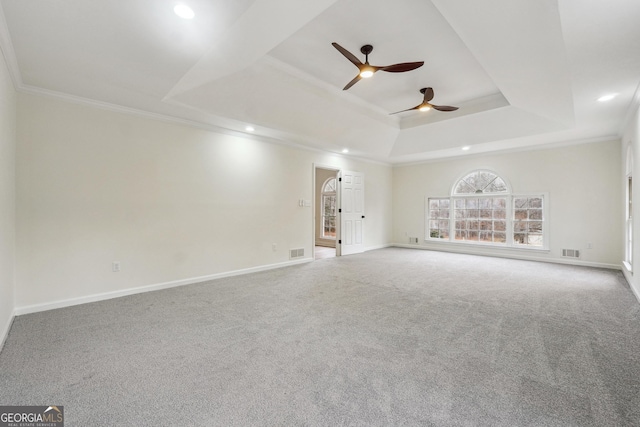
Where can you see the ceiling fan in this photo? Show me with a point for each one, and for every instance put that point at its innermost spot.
(367, 70)
(425, 106)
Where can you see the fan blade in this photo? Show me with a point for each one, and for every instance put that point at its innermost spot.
(352, 82)
(408, 109)
(401, 68)
(444, 108)
(428, 94)
(350, 56)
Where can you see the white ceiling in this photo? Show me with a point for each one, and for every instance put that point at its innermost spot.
(523, 72)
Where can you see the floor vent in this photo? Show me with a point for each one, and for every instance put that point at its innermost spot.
(571, 253)
(296, 253)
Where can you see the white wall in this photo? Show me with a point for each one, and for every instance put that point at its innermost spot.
(175, 203)
(168, 201)
(631, 146)
(7, 197)
(585, 198)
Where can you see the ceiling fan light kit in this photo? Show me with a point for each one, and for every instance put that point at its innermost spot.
(365, 70)
(366, 73)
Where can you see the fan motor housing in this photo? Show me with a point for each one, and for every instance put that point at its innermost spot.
(366, 49)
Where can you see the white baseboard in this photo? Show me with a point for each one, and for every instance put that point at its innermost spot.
(148, 288)
(373, 248)
(636, 293)
(4, 332)
(519, 255)
(626, 272)
(35, 308)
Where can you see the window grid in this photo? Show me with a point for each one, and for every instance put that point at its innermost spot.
(481, 181)
(439, 215)
(482, 210)
(329, 209)
(629, 223)
(527, 221)
(482, 219)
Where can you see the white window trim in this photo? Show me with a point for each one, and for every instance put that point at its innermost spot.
(628, 226)
(461, 177)
(324, 193)
(628, 215)
(545, 220)
(509, 244)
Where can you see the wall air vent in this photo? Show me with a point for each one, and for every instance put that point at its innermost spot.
(571, 253)
(296, 253)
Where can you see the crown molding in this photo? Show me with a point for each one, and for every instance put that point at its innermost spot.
(9, 54)
(631, 110)
(287, 140)
(456, 154)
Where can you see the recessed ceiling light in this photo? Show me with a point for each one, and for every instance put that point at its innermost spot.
(608, 97)
(466, 148)
(184, 11)
(249, 129)
(345, 151)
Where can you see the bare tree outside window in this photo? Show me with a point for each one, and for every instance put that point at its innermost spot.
(480, 219)
(439, 213)
(483, 210)
(329, 209)
(527, 221)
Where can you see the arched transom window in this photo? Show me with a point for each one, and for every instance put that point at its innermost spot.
(482, 209)
(478, 182)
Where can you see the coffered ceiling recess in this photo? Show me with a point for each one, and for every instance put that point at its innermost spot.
(523, 73)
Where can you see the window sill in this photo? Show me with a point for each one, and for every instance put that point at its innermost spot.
(487, 246)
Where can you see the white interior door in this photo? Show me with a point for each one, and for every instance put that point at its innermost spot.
(351, 212)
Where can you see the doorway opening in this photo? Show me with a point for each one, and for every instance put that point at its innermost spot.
(326, 212)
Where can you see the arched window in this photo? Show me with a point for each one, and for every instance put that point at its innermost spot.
(479, 182)
(628, 253)
(483, 210)
(329, 209)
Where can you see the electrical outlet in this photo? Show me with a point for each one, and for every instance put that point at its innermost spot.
(589, 246)
(115, 266)
(274, 247)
